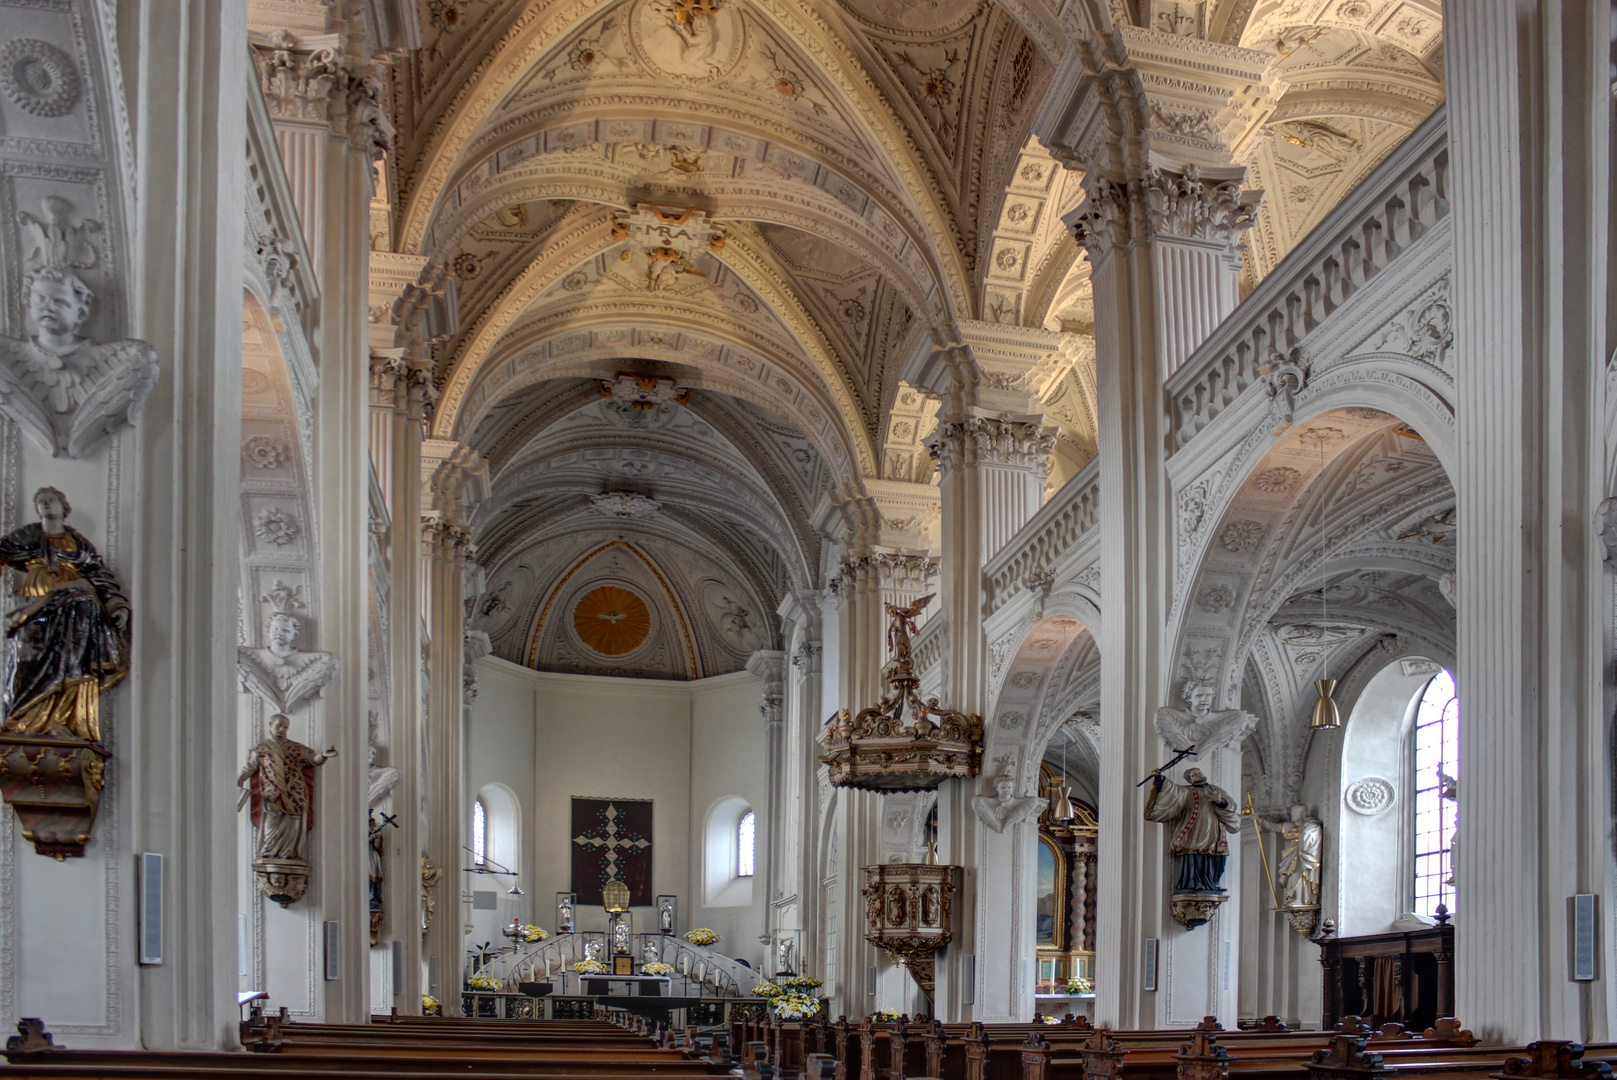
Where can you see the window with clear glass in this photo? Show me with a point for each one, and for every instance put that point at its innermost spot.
(479, 833)
(1437, 777)
(746, 843)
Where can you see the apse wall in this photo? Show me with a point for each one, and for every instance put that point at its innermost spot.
(687, 746)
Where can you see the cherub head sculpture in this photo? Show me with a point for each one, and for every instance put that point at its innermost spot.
(282, 630)
(58, 301)
(1198, 695)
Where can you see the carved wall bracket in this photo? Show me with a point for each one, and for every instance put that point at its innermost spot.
(54, 786)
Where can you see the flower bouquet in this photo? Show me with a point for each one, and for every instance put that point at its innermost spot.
(1080, 985)
(483, 982)
(793, 1006)
(884, 1016)
(590, 967)
(658, 969)
(801, 983)
(533, 933)
(430, 1006)
(702, 936)
(767, 990)
(1040, 1018)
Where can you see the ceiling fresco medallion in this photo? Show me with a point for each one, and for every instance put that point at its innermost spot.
(689, 40)
(612, 621)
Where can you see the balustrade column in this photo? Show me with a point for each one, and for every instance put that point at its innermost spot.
(1530, 137)
(1163, 246)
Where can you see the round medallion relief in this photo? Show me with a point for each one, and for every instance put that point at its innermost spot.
(689, 40)
(38, 77)
(612, 621)
(1369, 796)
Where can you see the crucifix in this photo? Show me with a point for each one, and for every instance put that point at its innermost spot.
(611, 843)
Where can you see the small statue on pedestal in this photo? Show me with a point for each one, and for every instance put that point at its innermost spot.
(280, 777)
(1298, 865)
(67, 643)
(1201, 816)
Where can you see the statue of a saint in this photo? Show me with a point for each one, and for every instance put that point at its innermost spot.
(280, 673)
(67, 642)
(564, 915)
(620, 937)
(665, 917)
(783, 957)
(1200, 727)
(1201, 816)
(279, 776)
(63, 390)
(648, 953)
(375, 845)
(1298, 865)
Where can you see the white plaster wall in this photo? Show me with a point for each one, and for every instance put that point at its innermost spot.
(550, 737)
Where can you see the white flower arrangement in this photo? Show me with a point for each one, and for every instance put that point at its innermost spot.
(658, 969)
(590, 967)
(794, 1006)
(483, 982)
(1080, 985)
(803, 983)
(533, 933)
(702, 936)
(429, 1005)
(767, 990)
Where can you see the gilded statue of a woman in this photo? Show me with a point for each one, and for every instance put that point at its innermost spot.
(68, 639)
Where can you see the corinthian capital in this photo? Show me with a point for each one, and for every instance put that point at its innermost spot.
(992, 440)
(302, 81)
(1164, 203)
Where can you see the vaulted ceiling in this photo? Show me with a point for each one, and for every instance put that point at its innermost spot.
(776, 207)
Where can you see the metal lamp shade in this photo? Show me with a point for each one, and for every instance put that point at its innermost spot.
(1326, 715)
(615, 896)
(1063, 809)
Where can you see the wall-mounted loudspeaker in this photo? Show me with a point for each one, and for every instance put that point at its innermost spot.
(1149, 962)
(151, 908)
(1582, 914)
(333, 950)
(398, 967)
(968, 966)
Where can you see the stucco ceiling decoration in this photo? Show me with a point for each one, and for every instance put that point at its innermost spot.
(612, 620)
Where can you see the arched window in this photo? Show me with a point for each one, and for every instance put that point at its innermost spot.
(746, 844)
(479, 833)
(1437, 773)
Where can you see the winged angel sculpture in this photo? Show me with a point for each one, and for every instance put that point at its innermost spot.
(62, 389)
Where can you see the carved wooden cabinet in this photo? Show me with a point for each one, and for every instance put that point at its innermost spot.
(1405, 978)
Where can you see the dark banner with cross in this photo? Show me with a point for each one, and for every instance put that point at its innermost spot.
(611, 838)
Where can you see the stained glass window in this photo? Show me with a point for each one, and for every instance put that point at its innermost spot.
(746, 843)
(1437, 773)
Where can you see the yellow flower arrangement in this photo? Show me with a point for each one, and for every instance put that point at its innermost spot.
(1080, 985)
(702, 936)
(590, 967)
(767, 990)
(885, 1016)
(793, 1006)
(803, 983)
(483, 982)
(658, 969)
(533, 933)
(429, 1004)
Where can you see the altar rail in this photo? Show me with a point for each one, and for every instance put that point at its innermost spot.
(1401, 201)
(698, 970)
(1047, 536)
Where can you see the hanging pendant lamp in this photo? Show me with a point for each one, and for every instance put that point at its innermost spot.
(1326, 716)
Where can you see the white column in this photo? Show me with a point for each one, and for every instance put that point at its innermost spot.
(445, 546)
(769, 665)
(1530, 131)
(1159, 289)
(188, 100)
(991, 480)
